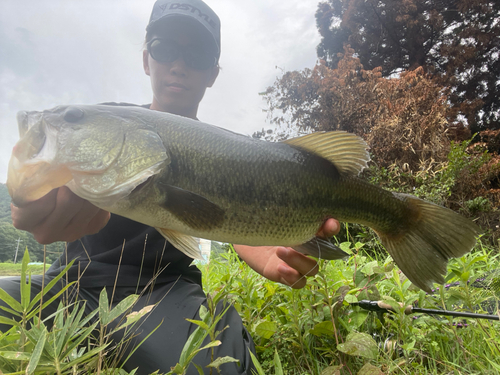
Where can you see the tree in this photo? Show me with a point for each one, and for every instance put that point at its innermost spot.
(4, 203)
(402, 119)
(457, 41)
(326, 99)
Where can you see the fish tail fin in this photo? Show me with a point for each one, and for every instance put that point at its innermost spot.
(434, 235)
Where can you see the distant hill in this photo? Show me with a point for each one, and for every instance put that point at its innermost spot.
(9, 236)
(4, 202)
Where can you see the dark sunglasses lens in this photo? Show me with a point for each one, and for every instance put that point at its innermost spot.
(163, 51)
(199, 60)
(166, 51)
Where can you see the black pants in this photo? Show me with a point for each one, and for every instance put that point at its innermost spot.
(176, 302)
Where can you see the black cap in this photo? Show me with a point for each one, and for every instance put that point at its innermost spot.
(195, 10)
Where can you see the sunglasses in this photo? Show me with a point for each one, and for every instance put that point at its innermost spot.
(167, 51)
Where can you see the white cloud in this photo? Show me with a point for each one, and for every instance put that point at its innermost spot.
(56, 52)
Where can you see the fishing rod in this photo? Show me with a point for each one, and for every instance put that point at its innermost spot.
(380, 306)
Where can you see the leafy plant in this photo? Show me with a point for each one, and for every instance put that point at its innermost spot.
(66, 342)
(319, 330)
(206, 327)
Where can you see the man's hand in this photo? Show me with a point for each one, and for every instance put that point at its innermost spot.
(283, 264)
(59, 216)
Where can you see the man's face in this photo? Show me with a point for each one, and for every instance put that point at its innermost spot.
(177, 87)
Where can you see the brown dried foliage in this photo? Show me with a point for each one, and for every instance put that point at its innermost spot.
(414, 126)
(402, 119)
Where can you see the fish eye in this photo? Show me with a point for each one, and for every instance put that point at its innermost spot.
(73, 114)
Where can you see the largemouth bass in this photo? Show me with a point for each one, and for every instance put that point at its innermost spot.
(187, 178)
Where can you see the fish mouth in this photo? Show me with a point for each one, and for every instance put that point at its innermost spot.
(94, 162)
(26, 120)
(29, 182)
(31, 173)
(22, 123)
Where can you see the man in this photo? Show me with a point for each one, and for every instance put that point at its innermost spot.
(181, 58)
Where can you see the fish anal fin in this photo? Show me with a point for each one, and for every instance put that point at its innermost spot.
(321, 249)
(347, 151)
(193, 210)
(182, 242)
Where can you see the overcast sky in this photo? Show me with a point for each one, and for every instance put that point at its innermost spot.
(55, 52)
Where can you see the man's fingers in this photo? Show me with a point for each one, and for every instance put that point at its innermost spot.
(32, 214)
(53, 228)
(303, 264)
(299, 266)
(88, 220)
(84, 216)
(98, 222)
(72, 218)
(291, 277)
(329, 228)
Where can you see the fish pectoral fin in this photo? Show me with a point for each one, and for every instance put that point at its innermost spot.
(346, 151)
(193, 210)
(321, 249)
(182, 242)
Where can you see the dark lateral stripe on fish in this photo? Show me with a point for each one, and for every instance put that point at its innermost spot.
(192, 209)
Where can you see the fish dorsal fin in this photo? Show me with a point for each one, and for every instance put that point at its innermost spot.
(347, 151)
(182, 242)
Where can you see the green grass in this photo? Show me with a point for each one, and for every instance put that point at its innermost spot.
(11, 269)
(317, 331)
(312, 331)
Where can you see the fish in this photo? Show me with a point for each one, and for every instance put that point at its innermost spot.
(190, 179)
